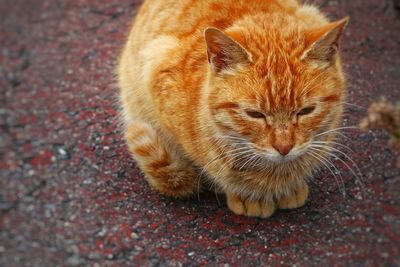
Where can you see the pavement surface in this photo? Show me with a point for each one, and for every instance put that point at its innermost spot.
(71, 196)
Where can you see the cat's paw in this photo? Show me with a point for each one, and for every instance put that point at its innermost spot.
(296, 200)
(246, 207)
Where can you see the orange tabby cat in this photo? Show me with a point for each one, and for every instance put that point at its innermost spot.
(244, 92)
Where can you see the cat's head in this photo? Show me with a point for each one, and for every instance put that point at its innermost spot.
(275, 90)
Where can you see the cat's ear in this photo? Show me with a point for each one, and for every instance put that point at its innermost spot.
(224, 52)
(322, 44)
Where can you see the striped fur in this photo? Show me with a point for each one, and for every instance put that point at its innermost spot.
(227, 88)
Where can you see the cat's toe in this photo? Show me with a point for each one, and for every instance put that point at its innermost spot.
(296, 200)
(268, 209)
(253, 209)
(235, 204)
(259, 209)
(249, 208)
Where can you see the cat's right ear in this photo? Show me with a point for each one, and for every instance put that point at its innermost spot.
(323, 43)
(224, 52)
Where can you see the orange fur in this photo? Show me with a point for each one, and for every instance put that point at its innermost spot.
(236, 89)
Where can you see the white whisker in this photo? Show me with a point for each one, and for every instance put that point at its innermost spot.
(325, 162)
(335, 130)
(359, 180)
(248, 161)
(342, 153)
(331, 142)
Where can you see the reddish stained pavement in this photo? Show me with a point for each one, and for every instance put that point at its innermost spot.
(71, 196)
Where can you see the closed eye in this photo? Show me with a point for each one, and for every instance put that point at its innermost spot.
(306, 111)
(255, 114)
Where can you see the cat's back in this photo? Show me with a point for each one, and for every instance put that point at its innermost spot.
(188, 18)
(167, 38)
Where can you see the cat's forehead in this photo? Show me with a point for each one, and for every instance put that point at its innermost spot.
(278, 83)
(285, 87)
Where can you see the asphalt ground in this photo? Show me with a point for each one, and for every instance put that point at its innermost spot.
(70, 195)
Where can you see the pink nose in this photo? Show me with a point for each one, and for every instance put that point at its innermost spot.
(283, 149)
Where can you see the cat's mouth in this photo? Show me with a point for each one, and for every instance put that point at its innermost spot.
(274, 157)
(256, 159)
(246, 156)
(279, 159)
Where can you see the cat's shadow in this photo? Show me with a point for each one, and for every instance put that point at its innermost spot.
(209, 204)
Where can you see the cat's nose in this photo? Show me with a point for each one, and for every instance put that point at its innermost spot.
(283, 149)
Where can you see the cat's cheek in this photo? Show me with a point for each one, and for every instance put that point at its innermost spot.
(259, 129)
(311, 123)
(302, 137)
(224, 123)
(251, 133)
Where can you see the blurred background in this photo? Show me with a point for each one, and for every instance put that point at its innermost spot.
(71, 196)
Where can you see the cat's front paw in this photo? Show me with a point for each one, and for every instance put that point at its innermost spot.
(250, 208)
(296, 200)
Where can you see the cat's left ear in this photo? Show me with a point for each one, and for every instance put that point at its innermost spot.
(224, 52)
(322, 44)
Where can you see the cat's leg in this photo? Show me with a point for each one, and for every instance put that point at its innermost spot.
(164, 169)
(261, 208)
(296, 199)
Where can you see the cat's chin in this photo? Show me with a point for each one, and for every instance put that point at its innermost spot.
(278, 159)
